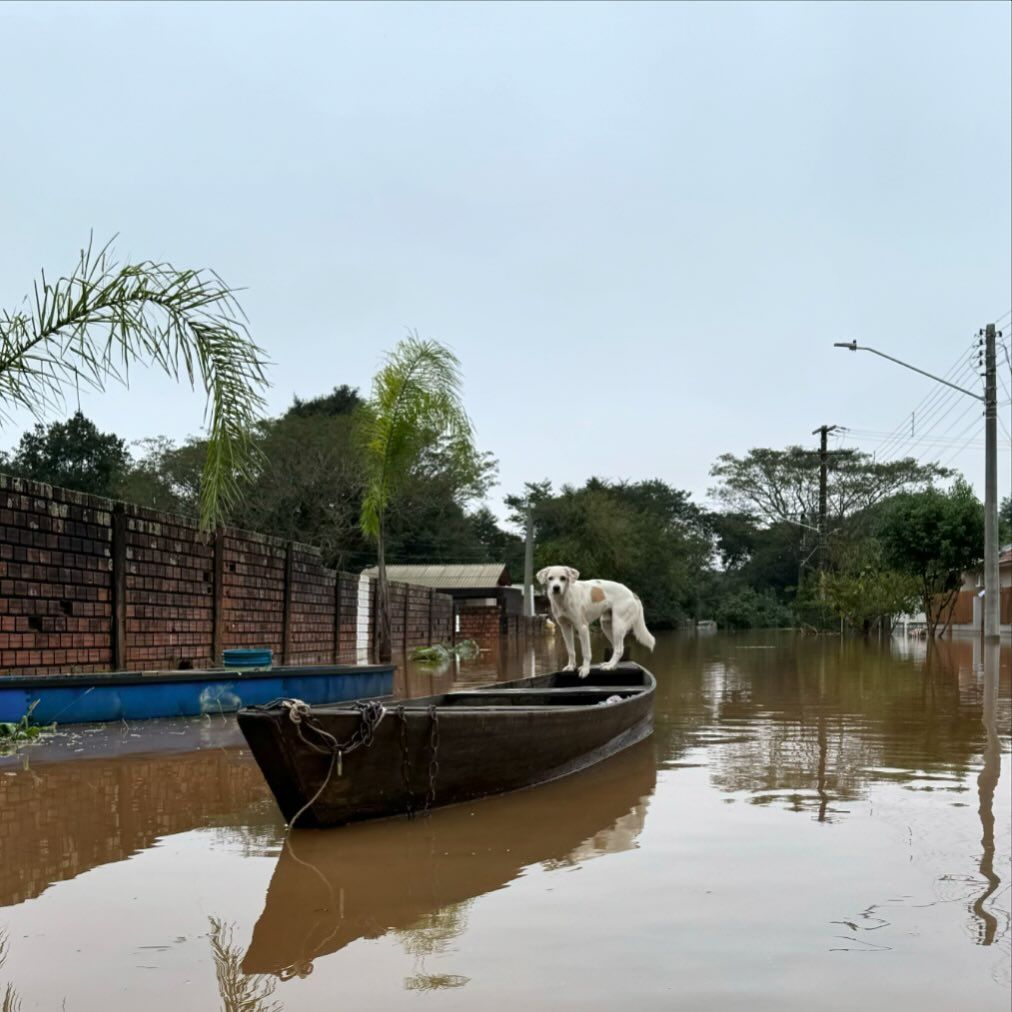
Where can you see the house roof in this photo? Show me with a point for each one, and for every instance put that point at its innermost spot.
(454, 576)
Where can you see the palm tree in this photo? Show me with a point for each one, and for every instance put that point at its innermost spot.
(415, 405)
(92, 325)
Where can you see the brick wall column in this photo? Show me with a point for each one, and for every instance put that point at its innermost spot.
(286, 607)
(218, 599)
(119, 595)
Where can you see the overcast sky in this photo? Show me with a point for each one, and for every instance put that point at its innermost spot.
(641, 227)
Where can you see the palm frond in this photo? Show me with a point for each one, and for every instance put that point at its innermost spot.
(415, 403)
(94, 324)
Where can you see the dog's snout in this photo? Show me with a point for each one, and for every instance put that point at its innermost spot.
(556, 589)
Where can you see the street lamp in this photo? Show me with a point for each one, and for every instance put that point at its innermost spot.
(992, 593)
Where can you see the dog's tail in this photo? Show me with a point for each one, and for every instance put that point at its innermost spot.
(639, 627)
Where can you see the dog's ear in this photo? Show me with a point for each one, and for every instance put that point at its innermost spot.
(574, 574)
(542, 574)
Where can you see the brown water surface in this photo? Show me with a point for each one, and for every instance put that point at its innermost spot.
(812, 825)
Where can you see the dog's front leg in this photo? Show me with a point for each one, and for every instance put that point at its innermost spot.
(585, 650)
(567, 635)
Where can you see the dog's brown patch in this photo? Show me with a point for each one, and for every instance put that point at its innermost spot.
(596, 594)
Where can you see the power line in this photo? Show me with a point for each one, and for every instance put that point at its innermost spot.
(869, 435)
(926, 405)
(945, 398)
(974, 424)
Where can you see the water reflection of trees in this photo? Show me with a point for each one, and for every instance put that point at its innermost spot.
(809, 725)
(239, 992)
(433, 935)
(10, 1000)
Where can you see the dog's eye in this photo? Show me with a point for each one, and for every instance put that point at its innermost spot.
(562, 579)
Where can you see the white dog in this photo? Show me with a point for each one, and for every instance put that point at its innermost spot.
(576, 603)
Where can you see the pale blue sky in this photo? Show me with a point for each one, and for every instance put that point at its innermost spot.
(641, 227)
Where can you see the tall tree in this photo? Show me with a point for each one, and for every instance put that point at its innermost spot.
(645, 534)
(777, 486)
(415, 409)
(934, 537)
(342, 400)
(98, 321)
(73, 454)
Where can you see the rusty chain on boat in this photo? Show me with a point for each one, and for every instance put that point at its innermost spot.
(430, 795)
(433, 769)
(405, 762)
(371, 714)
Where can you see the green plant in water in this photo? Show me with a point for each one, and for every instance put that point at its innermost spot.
(439, 653)
(24, 730)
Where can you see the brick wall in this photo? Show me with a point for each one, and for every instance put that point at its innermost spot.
(479, 624)
(490, 627)
(169, 590)
(91, 585)
(55, 579)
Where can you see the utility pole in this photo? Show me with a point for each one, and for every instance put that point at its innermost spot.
(992, 591)
(824, 431)
(529, 566)
(992, 588)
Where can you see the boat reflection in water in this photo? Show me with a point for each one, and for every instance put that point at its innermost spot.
(331, 888)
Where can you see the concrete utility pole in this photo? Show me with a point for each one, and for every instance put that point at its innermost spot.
(825, 430)
(992, 591)
(529, 567)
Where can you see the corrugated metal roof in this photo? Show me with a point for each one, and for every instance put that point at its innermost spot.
(452, 576)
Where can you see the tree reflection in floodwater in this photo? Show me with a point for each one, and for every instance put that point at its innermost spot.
(240, 992)
(433, 934)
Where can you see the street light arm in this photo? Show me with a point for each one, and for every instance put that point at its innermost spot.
(854, 346)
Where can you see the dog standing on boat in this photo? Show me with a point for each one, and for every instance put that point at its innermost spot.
(576, 603)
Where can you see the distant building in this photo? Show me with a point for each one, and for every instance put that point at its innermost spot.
(487, 607)
(968, 615)
(968, 611)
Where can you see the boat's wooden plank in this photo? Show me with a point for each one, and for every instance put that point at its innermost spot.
(545, 691)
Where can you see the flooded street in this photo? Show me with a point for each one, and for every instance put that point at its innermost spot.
(812, 825)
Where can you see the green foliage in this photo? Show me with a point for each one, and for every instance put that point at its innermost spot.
(761, 557)
(768, 535)
(440, 653)
(413, 428)
(414, 420)
(25, 730)
(496, 544)
(167, 477)
(865, 589)
(73, 454)
(94, 324)
(933, 537)
(646, 535)
(1005, 520)
(747, 608)
(783, 485)
(342, 400)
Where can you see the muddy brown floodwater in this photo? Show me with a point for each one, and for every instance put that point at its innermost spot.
(812, 825)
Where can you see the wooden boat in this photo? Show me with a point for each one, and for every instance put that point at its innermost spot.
(137, 695)
(330, 765)
(329, 890)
